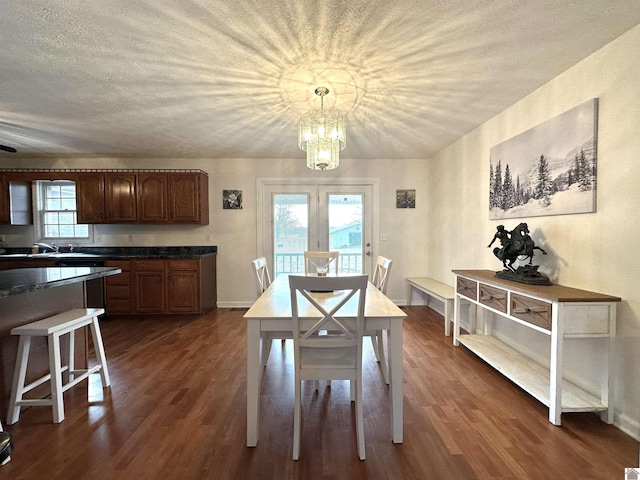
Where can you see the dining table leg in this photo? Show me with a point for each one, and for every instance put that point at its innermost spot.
(254, 361)
(395, 378)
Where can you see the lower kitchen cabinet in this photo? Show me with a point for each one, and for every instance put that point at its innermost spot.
(118, 288)
(183, 282)
(149, 286)
(162, 286)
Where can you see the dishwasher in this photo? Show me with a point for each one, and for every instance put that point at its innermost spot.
(94, 289)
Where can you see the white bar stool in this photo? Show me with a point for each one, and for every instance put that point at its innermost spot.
(53, 328)
(6, 446)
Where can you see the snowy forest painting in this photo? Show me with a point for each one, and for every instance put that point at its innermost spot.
(547, 170)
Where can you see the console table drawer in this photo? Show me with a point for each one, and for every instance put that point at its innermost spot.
(531, 310)
(493, 297)
(468, 288)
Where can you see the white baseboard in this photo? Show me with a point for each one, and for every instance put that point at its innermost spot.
(628, 425)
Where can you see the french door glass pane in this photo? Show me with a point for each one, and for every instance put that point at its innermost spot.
(345, 230)
(290, 231)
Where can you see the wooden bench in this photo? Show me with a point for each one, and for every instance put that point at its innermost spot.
(53, 328)
(437, 290)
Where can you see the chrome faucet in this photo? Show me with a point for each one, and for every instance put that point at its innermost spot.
(53, 247)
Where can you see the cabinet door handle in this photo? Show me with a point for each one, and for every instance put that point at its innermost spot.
(493, 297)
(530, 310)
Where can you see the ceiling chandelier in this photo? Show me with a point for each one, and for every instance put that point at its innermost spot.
(322, 134)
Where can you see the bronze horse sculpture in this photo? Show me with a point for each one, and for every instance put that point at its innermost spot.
(515, 244)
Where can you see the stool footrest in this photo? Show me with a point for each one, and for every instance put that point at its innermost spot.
(84, 374)
(34, 402)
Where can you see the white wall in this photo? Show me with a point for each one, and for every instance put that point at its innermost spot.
(598, 251)
(235, 232)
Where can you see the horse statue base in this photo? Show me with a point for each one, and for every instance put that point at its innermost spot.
(525, 274)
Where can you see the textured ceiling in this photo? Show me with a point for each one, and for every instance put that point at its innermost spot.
(230, 78)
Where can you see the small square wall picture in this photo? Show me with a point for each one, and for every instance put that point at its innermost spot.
(405, 199)
(232, 199)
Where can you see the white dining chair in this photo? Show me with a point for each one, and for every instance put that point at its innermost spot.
(315, 260)
(263, 280)
(320, 259)
(327, 356)
(380, 281)
(261, 269)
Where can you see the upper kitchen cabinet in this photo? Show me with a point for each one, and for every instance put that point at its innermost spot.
(4, 199)
(90, 198)
(114, 196)
(189, 198)
(120, 197)
(15, 201)
(152, 197)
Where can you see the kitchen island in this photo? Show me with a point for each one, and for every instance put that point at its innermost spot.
(29, 294)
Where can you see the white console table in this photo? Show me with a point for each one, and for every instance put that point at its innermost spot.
(557, 311)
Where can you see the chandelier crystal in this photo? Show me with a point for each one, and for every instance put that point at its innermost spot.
(322, 134)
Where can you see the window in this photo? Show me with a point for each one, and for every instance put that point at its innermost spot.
(57, 216)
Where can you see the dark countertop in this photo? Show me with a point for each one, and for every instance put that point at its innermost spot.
(123, 253)
(24, 280)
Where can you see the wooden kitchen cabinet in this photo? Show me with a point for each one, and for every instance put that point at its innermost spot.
(114, 197)
(145, 197)
(15, 201)
(119, 288)
(188, 198)
(4, 200)
(162, 286)
(120, 197)
(152, 197)
(90, 201)
(149, 286)
(167, 286)
(183, 286)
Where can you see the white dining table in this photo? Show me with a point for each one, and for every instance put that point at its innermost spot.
(272, 313)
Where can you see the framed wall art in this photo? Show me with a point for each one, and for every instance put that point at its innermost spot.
(405, 199)
(232, 199)
(547, 170)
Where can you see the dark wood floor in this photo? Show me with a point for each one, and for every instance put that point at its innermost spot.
(176, 410)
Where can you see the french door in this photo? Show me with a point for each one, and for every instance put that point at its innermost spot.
(299, 217)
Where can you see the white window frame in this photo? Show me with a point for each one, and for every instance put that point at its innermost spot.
(38, 201)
